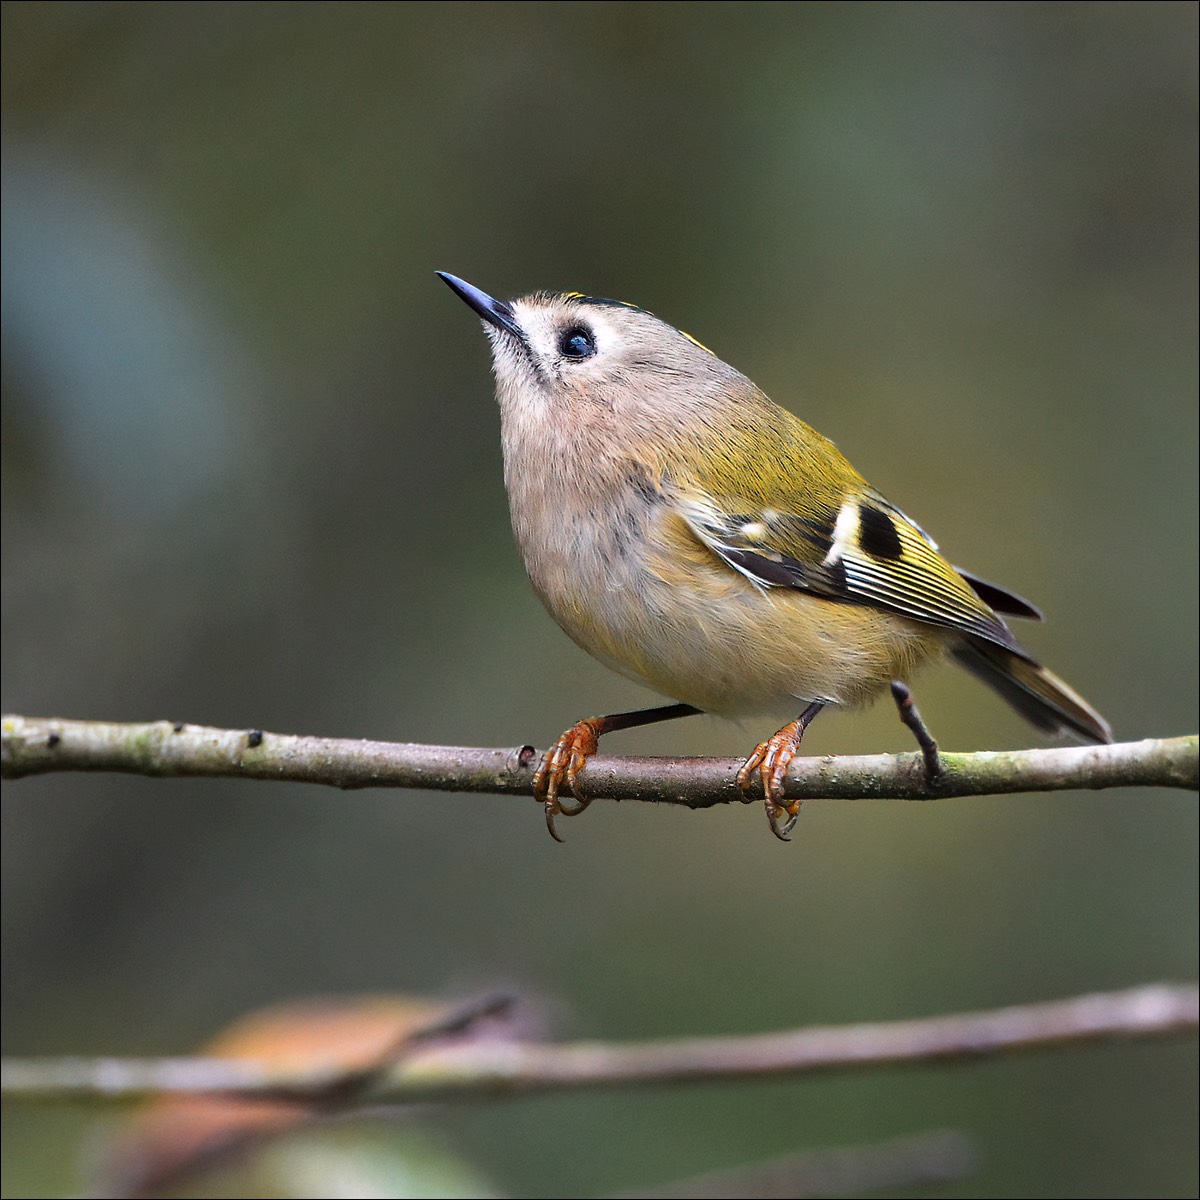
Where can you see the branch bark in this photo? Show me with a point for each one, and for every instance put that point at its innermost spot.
(482, 1069)
(38, 745)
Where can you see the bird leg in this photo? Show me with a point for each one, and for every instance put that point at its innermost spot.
(912, 718)
(770, 760)
(566, 759)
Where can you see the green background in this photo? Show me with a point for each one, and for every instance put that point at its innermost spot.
(251, 477)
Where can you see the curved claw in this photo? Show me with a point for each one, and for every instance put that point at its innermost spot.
(550, 813)
(775, 811)
(564, 762)
(770, 761)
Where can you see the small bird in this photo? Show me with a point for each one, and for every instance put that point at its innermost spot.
(696, 537)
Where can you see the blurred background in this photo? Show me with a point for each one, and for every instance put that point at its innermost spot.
(251, 477)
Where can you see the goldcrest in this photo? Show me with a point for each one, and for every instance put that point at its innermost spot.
(699, 539)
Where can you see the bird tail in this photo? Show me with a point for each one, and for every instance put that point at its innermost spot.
(1037, 694)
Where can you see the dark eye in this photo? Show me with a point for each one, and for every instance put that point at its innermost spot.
(577, 342)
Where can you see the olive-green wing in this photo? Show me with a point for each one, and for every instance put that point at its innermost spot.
(868, 552)
(863, 551)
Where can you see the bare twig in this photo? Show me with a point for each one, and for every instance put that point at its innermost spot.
(37, 745)
(485, 1069)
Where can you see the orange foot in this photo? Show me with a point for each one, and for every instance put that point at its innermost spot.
(770, 761)
(564, 762)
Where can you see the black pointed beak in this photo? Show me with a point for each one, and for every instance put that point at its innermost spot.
(496, 312)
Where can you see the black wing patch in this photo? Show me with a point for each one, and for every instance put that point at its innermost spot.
(877, 533)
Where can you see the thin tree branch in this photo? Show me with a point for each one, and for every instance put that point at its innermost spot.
(482, 1069)
(37, 745)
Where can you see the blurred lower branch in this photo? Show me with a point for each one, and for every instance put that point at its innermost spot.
(38, 745)
(479, 1069)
